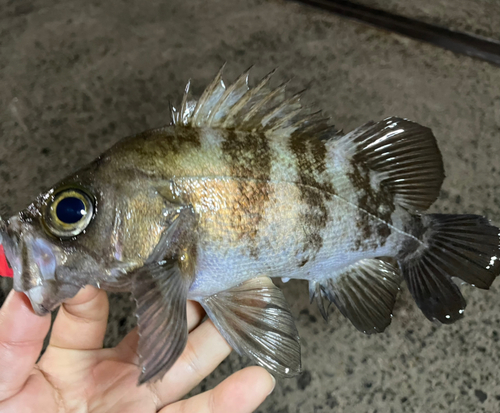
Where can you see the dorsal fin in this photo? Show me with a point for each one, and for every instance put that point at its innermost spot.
(251, 109)
(403, 154)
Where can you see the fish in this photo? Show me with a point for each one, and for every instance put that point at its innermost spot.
(243, 186)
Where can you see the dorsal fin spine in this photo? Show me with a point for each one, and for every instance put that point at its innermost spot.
(267, 99)
(216, 83)
(242, 79)
(282, 122)
(242, 108)
(185, 97)
(246, 98)
(289, 103)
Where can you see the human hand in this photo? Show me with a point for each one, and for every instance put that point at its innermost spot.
(76, 374)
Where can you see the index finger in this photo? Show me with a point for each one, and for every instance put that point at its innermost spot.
(21, 339)
(81, 322)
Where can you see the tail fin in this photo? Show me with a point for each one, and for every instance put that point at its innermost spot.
(463, 246)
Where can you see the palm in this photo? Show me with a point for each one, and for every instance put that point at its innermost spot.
(92, 378)
(76, 374)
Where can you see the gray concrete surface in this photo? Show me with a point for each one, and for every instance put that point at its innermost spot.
(480, 17)
(77, 76)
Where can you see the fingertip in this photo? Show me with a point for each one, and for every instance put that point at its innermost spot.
(18, 306)
(16, 300)
(273, 384)
(86, 294)
(242, 392)
(195, 314)
(90, 304)
(245, 390)
(81, 321)
(264, 380)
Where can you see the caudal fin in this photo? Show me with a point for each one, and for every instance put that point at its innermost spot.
(463, 246)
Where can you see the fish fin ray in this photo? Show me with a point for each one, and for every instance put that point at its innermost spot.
(188, 104)
(365, 293)
(240, 109)
(208, 100)
(180, 235)
(259, 108)
(160, 289)
(316, 293)
(462, 246)
(228, 100)
(160, 292)
(267, 334)
(404, 154)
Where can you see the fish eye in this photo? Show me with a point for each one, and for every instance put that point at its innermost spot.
(68, 213)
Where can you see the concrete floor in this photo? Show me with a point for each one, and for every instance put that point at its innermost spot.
(479, 17)
(77, 76)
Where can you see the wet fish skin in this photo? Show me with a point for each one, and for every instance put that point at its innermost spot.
(243, 186)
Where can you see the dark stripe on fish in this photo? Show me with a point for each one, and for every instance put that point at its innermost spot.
(185, 137)
(376, 201)
(310, 158)
(26, 278)
(152, 153)
(249, 157)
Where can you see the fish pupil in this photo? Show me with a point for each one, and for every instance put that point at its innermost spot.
(70, 210)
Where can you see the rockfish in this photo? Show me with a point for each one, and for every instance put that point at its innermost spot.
(245, 185)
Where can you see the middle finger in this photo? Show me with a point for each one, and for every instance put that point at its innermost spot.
(204, 351)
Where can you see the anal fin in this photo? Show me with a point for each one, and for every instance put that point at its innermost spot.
(255, 319)
(364, 293)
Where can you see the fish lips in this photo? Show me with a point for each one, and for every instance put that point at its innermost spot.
(47, 297)
(34, 261)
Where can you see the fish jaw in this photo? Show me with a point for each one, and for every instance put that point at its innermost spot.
(47, 297)
(34, 260)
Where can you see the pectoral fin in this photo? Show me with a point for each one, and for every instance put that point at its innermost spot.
(160, 289)
(160, 292)
(255, 319)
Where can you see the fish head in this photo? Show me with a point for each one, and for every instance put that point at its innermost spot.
(48, 247)
(92, 228)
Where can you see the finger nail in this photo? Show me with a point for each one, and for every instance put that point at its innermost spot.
(274, 384)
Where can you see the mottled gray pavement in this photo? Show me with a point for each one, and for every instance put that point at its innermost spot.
(479, 17)
(77, 76)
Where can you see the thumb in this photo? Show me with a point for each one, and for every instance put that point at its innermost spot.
(21, 339)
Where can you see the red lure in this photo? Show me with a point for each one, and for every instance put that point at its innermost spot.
(5, 270)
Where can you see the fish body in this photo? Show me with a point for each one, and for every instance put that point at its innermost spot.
(242, 187)
(257, 213)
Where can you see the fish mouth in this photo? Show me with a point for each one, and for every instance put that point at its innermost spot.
(46, 298)
(38, 280)
(34, 261)
(36, 296)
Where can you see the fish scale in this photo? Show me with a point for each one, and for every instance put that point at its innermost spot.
(244, 186)
(256, 200)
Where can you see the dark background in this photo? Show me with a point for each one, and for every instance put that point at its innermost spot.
(76, 76)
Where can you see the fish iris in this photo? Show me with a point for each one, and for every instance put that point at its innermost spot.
(68, 213)
(70, 210)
